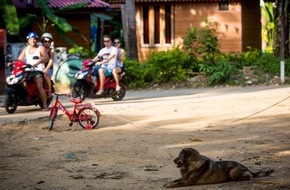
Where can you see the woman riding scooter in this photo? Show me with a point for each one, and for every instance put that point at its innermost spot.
(46, 40)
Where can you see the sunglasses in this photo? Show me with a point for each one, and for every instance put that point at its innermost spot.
(106, 41)
(46, 41)
(116, 42)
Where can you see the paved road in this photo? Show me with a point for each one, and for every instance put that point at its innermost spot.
(28, 113)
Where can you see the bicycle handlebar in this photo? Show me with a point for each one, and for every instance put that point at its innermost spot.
(74, 100)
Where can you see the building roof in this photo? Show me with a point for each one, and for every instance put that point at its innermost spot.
(60, 3)
(167, 1)
(163, 1)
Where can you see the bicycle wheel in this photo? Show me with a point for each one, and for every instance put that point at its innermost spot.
(52, 116)
(88, 118)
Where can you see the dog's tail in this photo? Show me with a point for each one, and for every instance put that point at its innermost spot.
(262, 173)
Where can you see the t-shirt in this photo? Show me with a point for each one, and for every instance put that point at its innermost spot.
(33, 58)
(106, 52)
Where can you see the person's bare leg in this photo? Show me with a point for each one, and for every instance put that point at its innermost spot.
(39, 83)
(47, 81)
(117, 70)
(102, 81)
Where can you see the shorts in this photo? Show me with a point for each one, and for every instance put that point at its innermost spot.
(35, 73)
(96, 71)
(50, 72)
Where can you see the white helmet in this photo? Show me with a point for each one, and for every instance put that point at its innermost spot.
(46, 35)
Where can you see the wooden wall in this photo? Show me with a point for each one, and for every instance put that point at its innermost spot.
(226, 23)
(78, 21)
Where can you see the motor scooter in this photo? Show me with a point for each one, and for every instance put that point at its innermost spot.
(87, 84)
(21, 89)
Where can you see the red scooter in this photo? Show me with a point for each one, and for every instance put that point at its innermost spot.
(21, 88)
(87, 84)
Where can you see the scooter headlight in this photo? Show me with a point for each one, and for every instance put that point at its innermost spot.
(14, 79)
(81, 75)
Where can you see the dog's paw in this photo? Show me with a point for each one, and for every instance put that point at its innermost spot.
(167, 185)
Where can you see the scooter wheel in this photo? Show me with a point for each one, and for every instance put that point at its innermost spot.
(119, 95)
(11, 102)
(78, 91)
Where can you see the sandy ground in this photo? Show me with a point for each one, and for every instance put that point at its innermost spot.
(137, 139)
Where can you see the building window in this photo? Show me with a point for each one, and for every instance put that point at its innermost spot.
(146, 24)
(157, 25)
(223, 5)
(167, 24)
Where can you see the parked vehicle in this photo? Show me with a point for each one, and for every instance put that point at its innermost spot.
(86, 114)
(21, 88)
(87, 84)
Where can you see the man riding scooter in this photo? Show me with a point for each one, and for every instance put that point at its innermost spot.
(100, 67)
(108, 62)
(36, 56)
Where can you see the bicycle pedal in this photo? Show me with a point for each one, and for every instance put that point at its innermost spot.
(70, 124)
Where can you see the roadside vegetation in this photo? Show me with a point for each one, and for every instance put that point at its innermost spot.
(200, 63)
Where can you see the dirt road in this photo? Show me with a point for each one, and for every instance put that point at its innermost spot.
(138, 138)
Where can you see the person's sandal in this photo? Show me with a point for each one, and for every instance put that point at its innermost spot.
(45, 109)
(118, 88)
(99, 93)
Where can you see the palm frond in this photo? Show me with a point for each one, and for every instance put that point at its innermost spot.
(10, 18)
(27, 20)
(58, 21)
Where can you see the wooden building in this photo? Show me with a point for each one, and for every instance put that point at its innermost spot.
(162, 24)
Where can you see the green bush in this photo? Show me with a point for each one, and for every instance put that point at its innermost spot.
(166, 66)
(201, 43)
(201, 54)
(268, 63)
(134, 76)
(81, 51)
(217, 73)
(250, 57)
(161, 67)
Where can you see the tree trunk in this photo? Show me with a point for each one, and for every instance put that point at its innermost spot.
(129, 28)
(282, 33)
(287, 27)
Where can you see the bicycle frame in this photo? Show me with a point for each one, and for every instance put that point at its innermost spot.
(71, 114)
(83, 113)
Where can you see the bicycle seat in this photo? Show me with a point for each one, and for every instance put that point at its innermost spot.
(76, 101)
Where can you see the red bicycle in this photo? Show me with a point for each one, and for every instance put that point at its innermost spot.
(84, 113)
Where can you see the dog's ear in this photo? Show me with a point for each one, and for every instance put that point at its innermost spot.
(189, 151)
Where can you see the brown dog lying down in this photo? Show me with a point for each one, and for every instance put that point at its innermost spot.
(198, 169)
